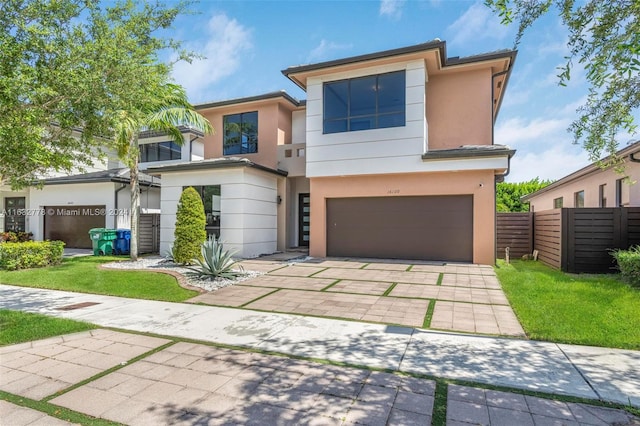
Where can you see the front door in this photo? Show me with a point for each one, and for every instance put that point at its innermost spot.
(304, 211)
(14, 214)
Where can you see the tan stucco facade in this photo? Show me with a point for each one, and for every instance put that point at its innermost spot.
(274, 128)
(458, 109)
(479, 183)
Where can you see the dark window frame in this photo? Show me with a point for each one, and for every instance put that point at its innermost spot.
(341, 123)
(602, 200)
(149, 151)
(241, 146)
(558, 202)
(577, 200)
(619, 183)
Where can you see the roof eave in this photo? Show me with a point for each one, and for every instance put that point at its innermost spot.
(265, 96)
(205, 165)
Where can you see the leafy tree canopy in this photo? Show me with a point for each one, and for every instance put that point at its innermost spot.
(68, 70)
(508, 194)
(604, 38)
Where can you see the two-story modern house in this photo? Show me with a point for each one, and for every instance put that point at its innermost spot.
(594, 186)
(390, 156)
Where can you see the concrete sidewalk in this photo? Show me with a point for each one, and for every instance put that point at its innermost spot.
(596, 373)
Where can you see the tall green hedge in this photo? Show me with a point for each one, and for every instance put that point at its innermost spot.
(190, 231)
(31, 254)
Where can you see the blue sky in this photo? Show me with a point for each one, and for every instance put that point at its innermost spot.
(248, 43)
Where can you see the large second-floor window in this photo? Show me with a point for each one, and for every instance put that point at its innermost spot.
(240, 133)
(371, 102)
(160, 151)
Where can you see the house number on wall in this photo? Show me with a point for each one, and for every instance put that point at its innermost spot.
(393, 191)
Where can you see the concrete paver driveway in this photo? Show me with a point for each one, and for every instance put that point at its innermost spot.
(456, 297)
(174, 382)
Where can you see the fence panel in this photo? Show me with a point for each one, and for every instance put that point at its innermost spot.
(514, 230)
(547, 237)
(591, 234)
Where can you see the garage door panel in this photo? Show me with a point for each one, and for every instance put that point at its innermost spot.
(71, 224)
(427, 228)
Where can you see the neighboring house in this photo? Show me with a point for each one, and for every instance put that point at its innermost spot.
(66, 207)
(593, 186)
(391, 156)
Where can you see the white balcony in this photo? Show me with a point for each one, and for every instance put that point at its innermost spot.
(292, 158)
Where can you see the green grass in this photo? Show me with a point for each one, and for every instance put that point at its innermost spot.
(18, 327)
(82, 274)
(597, 310)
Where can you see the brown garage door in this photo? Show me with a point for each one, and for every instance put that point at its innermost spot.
(71, 224)
(426, 228)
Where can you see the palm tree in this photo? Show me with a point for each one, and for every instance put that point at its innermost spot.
(166, 110)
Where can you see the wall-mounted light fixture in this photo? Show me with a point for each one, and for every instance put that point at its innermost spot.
(279, 199)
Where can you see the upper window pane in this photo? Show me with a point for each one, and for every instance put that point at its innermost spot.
(363, 97)
(363, 103)
(391, 92)
(335, 99)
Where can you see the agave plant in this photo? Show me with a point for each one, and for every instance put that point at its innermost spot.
(216, 261)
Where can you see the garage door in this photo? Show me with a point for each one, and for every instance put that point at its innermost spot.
(426, 228)
(71, 224)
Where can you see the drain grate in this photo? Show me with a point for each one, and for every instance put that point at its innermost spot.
(76, 306)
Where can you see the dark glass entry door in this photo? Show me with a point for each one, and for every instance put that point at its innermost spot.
(304, 211)
(14, 214)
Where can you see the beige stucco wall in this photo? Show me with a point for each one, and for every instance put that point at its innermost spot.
(479, 183)
(459, 109)
(274, 127)
(590, 184)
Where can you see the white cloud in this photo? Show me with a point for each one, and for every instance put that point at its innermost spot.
(325, 47)
(226, 43)
(553, 163)
(477, 23)
(391, 8)
(513, 98)
(516, 131)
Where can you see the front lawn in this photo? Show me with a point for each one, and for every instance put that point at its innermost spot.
(18, 327)
(82, 274)
(597, 310)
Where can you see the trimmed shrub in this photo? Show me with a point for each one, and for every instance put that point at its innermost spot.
(16, 237)
(31, 254)
(629, 264)
(190, 231)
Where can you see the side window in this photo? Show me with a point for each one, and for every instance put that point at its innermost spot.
(602, 199)
(578, 199)
(557, 203)
(160, 151)
(240, 133)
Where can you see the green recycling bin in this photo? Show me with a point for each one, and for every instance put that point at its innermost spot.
(102, 240)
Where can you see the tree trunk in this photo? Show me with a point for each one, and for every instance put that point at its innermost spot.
(135, 198)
